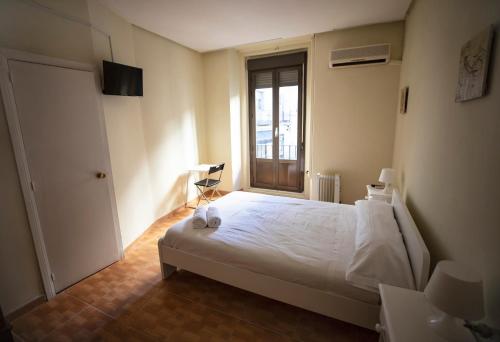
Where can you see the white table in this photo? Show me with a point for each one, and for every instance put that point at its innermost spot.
(200, 168)
(403, 316)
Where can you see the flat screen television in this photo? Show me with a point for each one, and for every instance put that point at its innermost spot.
(121, 79)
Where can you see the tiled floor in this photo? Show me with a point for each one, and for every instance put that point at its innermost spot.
(128, 301)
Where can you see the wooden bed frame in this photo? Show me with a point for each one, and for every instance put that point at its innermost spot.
(326, 303)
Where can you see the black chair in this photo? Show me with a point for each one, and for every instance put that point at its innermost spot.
(206, 183)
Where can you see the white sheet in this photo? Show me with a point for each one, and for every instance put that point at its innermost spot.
(306, 242)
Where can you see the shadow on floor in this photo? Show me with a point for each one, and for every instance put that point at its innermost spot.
(128, 301)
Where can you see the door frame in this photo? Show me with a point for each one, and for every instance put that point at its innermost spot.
(7, 93)
(274, 63)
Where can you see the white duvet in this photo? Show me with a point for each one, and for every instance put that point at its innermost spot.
(306, 242)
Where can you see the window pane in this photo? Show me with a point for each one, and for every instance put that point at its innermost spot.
(264, 123)
(288, 124)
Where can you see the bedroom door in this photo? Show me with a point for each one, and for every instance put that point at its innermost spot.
(66, 153)
(276, 86)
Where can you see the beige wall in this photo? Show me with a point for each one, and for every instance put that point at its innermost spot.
(21, 281)
(222, 107)
(173, 115)
(218, 125)
(262, 49)
(31, 28)
(350, 113)
(124, 128)
(354, 109)
(28, 28)
(448, 154)
(235, 118)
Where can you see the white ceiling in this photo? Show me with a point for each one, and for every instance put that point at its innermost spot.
(206, 25)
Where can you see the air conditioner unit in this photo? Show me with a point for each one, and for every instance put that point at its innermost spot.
(362, 55)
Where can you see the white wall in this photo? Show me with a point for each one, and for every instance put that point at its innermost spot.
(448, 154)
(354, 109)
(173, 116)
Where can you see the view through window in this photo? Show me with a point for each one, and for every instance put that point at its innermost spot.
(276, 113)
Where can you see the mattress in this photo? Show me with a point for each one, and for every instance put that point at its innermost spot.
(305, 242)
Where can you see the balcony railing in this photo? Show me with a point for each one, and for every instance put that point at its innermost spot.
(286, 152)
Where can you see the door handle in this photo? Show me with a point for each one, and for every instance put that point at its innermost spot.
(100, 175)
(276, 132)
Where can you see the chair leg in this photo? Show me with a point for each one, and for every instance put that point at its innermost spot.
(199, 196)
(198, 203)
(202, 195)
(216, 190)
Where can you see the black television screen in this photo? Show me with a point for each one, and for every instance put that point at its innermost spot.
(121, 79)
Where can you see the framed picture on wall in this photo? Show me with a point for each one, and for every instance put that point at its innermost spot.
(473, 68)
(403, 100)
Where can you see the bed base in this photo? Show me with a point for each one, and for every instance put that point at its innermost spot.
(325, 303)
(322, 302)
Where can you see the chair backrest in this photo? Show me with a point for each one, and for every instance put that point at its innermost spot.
(216, 168)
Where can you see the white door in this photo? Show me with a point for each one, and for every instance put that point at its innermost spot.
(66, 149)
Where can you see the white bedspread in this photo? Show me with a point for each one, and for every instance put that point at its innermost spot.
(306, 242)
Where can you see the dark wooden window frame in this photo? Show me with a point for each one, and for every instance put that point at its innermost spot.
(296, 60)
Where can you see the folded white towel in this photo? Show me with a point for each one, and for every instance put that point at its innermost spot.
(213, 217)
(200, 218)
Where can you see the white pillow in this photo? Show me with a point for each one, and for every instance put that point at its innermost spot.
(380, 255)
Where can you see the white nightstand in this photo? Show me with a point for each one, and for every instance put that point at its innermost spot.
(403, 316)
(377, 194)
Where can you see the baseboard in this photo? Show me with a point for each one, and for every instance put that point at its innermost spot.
(40, 299)
(209, 193)
(300, 195)
(173, 212)
(25, 308)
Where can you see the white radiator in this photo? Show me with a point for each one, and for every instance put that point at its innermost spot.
(326, 188)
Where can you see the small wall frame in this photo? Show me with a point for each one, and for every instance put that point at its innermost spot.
(403, 100)
(473, 66)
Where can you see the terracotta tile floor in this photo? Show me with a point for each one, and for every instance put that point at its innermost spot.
(128, 301)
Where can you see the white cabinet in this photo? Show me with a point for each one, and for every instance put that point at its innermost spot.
(377, 194)
(403, 316)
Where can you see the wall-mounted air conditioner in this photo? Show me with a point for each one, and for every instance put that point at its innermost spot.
(361, 55)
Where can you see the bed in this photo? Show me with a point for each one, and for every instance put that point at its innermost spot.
(292, 250)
